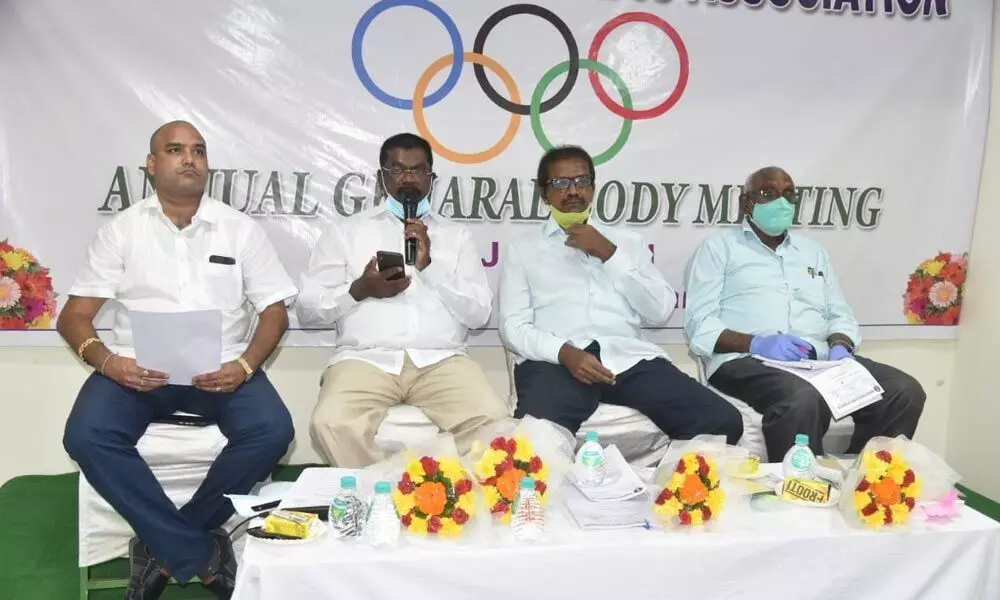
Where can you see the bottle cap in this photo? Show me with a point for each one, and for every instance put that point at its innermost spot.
(801, 439)
(592, 436)
(382, 487)
(527, 483)
(348, 482)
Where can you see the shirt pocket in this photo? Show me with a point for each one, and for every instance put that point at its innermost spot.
(224, 285)
(810, 288)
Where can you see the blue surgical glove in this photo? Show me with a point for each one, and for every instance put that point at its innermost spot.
(780, 347)
(838, 352)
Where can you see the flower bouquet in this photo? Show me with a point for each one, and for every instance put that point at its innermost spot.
(510, 451)
(934, 291)
(434, 494)
(26, 297)
(888, 481)
(691, 486)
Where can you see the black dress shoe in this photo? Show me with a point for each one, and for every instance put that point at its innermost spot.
(220, 578)
(146, 579)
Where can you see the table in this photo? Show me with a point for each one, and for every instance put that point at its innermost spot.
(783, 552)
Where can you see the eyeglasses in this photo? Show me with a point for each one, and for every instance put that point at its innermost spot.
(398, 172)
(767, 195)
(563, 183)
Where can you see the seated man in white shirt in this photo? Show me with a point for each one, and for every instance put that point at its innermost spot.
(401, 336)
(176, 251)
(763, 290)
(573, 297)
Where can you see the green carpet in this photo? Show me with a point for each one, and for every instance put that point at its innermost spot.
(38, 544)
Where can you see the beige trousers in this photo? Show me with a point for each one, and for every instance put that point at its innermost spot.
(355, 397)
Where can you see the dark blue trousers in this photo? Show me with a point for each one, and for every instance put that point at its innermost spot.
(680, 406)
(106, 422)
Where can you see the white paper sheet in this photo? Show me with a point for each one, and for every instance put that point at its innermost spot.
(620, 481)
(317, 486)
(623, 514)
(845, 385)
(180, 344)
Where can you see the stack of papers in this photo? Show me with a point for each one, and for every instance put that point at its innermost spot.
(620, 481)
(619, 502)
(845, 384)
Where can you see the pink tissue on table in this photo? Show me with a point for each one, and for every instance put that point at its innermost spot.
(947, 508)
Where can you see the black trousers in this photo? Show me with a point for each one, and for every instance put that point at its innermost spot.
(680, 406)
(791, 405)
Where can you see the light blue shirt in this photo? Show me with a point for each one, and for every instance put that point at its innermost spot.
(736, 282)
(551, 293)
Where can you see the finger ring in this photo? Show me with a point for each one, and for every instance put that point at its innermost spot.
(145, 373)
(217, 388)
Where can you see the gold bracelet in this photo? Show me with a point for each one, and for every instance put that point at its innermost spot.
(83, 347)
(104, 363)
(246, 367)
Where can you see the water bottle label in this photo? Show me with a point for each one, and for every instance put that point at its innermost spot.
(800, 460)
(338, 508)
(590, 458)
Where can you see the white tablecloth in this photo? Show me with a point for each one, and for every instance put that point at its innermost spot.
(787, 552)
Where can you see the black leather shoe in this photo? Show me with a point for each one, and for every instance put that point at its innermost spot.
(221, 572)
(146, 579)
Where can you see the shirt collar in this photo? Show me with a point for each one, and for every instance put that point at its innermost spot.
(749, 233)
(208, 209)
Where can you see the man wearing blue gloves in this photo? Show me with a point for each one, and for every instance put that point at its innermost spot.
(760, 290)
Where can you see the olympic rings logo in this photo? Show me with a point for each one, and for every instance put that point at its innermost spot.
(421, 99)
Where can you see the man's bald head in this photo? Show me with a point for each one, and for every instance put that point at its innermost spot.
(761, 177)
(158, 135)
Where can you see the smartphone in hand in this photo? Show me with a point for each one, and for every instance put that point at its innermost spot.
(387, 260)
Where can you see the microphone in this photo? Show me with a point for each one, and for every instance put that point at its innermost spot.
(408, 197)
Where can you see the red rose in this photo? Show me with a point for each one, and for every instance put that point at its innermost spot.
(460, 516)
(433, 524)
(405, 477)
(462, 487)
(863, 485)
(498, 444)
(663, 497)
(684, 517)
(909, 477)
(499, 508)
(405, 486)
(667, 494)
(909, 502)
(535, 465)
(430, 466)
(506, 465)
(540, 487)
(706, 513)
(511, 446)
(492, 481)
(888, 516)
(406, 520)
(869, 510)
(884, 456)
(680, 466)
(703, 469)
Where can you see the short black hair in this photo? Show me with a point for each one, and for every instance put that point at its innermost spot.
(405, 141)
(562, 153)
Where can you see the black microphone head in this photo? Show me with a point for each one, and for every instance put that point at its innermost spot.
(409, 195)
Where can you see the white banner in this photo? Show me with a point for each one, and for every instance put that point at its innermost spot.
(877, 109)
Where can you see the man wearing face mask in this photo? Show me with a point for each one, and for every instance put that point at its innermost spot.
(764, 291)
(573, 298)
(401, 337)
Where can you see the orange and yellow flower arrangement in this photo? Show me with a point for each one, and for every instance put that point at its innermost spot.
(693, 494)
(501, 468)
(887, 491)
(434, 497)
(26, 297)
(934, 291)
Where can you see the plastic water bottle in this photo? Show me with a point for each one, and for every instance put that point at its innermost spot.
(347, 511)
(799, 460)
(590, 461)
(528, 519)
(382, 525)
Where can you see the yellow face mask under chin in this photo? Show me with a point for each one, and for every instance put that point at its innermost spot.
(570, 219)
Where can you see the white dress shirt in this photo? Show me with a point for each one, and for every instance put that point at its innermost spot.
(429, 321)
(551, 294)
(144, 262)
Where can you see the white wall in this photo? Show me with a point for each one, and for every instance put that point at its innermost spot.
(38, 386)
(973, 439)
